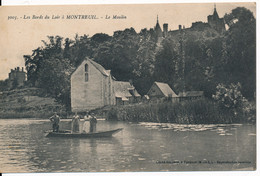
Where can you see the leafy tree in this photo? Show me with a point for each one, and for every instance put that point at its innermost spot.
(124, 51)
(48, 69)
(168, 65)
(80, 49)
(231, 99)
(32, 63)
(241, 49)
(100, 38)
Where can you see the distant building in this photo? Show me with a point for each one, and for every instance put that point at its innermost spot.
(213, 22)
(161, 92)
(165, 30)
(16, 78)
(92, 86)
(191, 95)
(157, 29)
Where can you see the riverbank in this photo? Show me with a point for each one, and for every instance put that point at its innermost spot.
(28, 103)
(34, 103)
(186, 112)
(30, 115)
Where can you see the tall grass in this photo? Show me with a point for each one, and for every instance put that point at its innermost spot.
(187, 112)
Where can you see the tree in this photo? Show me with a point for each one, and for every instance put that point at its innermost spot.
(48, 69)
(143, 64)
(168, 65)
(54, 77)
(231, 99)
(241, 49)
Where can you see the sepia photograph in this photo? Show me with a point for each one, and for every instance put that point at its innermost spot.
(128, 87)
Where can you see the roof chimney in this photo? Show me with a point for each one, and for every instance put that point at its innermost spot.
(165, 27)
(179, 27)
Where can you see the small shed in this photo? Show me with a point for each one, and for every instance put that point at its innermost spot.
(125, 93)
(160, 92)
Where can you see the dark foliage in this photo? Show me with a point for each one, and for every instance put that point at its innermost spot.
(186, 60)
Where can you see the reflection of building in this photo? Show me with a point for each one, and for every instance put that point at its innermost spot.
(16, 78)
(92, 86)
(160, 92)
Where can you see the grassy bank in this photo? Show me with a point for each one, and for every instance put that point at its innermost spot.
(28, 103)
(189, 112)
(15, 115)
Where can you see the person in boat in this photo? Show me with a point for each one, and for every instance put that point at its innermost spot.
(85, 124)
(75, 123)
(55, 119)
(93, 123)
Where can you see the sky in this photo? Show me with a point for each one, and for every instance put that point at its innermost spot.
(19, 37)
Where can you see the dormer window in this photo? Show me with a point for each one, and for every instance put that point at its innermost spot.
(86, 72)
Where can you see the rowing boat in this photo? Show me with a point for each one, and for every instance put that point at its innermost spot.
(98, 134)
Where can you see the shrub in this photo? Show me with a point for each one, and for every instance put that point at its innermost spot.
(231, 100)
(112, 115)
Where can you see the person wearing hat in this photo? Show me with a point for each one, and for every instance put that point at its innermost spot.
(55, 119)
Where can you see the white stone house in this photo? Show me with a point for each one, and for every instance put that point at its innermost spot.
(92, 87)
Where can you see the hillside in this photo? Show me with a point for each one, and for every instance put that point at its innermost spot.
(27, 102)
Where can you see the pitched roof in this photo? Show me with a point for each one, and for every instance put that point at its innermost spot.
(136, 94)
(215, 13)
(122, 89)
(100, 68)
(165, 89)
(96, 65)
(191, 94)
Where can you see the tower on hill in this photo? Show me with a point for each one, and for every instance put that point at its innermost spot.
(157, 29)
(16, 78)
(215, 22)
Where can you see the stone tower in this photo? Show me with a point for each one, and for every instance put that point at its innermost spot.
(157, 29)
(16, 77)
(165, 29)
(215, 22)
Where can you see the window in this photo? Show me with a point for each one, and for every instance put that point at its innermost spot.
(86, 73)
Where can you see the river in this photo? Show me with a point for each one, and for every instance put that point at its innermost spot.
(139, 147)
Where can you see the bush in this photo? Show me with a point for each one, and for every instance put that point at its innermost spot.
(231, 100)
(112, 114)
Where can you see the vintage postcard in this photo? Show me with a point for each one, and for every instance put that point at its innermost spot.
(126, 88)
